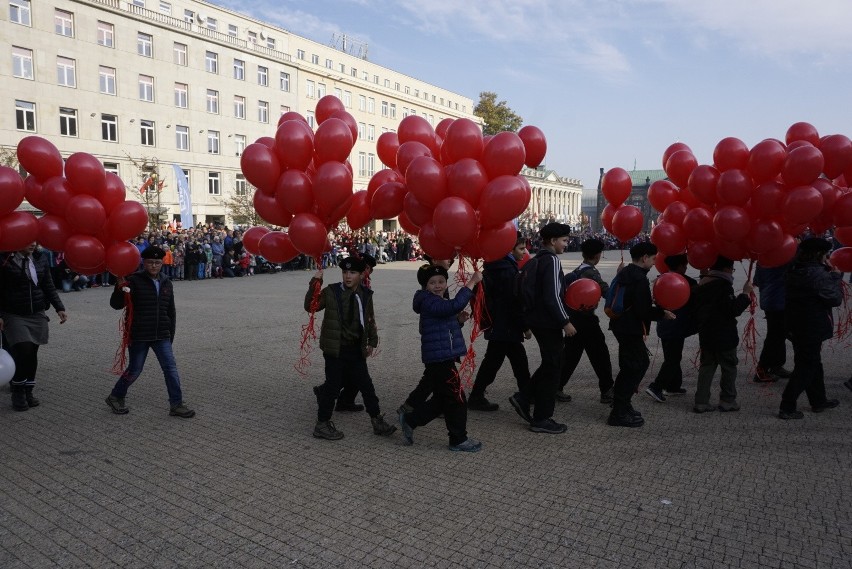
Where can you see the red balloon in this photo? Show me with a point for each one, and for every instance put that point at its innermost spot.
(802, 204)
(268, 141)
(676, 147)
(17, 230)
(442, 126)
(660, 264)
(84, 252)
(387, 202)
(675, 213)
(407, 225)
(127, 220)
(122, 258)
(731, 223)
(466, 179)
(276, 247)
(497, 242)
(698, 224)
(735, 251)
(680, 166)
(39, 157)
(327, 106)
(841, 259)
(766, 159)
(671, 291)
(669, 238)
(332, 184)
(616, 186)
(427, 180)
(408, 152)
(765, 235)
(802, 166)
(780, 255)
(734, 187)
(33, 192)
(11, 190)
(53, 232)
(350, 122)
(268, 208)
(433, 246)
(113, 193)
(463, 139)
(504, 155)
(802, 131)
(359, 211)
(703, 182)
(843, 235)
(503, 199)
(288, 116)
(261, 167)
(701, 254)
(55, 195)
(416, 212)
(85, 214)
(252, 237)
(417, 128)
(85, 173)
(454, 221)
(379, 179)
(687, 197)
(829, 193)
(295, 192)
(535, 145)
(308, 234)
(333, 141)
(583, 294)
(627, 222)
(387, 146)
(837, 151)
(843, 210)
(607, 215)
(767, 199)
(294, 145)
(730, 153)
(471, 250)
(661, 194)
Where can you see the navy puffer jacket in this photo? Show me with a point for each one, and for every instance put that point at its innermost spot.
(441, 336)
(812, 291)
(154, 315)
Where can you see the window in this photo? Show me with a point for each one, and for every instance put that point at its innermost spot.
(309, 117)
(384, 108)
(407, 90)
(365, 76)
(25, 115)
(362, 164)
(376, 79)
(147, 132)
(189, 17)
(310, 89)
(109, 128)
(342, 67)
(270, 43)
(239, 107)
(371, 132)
(111, 168)
(284, 109)
(315, 59)
(67, 121)
(362, 103)
(22, 62)
(263, 111)
(180, 53)
(285, 81)
(19, 12)
(387, 82)
(182, 133)
(329, 64)
(405, 112)
(393, 110)
(63, 23)
(213, 183)
(213, 142)
(211, 62)
(371, 105)
(106, 34)
(144, 45)
(181, 95)
(262, 76)
(338, 92)
(212, 101)
(371, 164)
(347, 99)
(232, 30)
(165, 8)
(240, 186)
(320, 90)
(212, 24)
(252, 38)
(353, 72)
(146, 88)
(107, 80)
(65, 74)
(396, 86)
(362, 130)
(239, 69)
(300, 54)
(240, 143)
(140, 3)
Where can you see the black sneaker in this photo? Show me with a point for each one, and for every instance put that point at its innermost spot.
(407, 431)
(481, 404)
(181, 410)
(625, 419)
(608, 396)
(521, 407)
(548, 426)
(827, 404)
(656, 393)
(763, 376)
(787, 415)
(117, 405)
(675, 391)
(563, 397)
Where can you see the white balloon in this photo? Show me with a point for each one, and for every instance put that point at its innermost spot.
(7, 367)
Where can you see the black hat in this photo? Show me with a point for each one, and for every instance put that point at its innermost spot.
(815, 245)
(353, 264)
(722, 263)
(591, 247)
(426, 272)
(153, 252)
(370, 260)
(553, 230)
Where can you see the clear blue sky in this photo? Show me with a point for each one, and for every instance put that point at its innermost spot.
(611, 81)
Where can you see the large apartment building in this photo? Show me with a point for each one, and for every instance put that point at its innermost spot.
(187, 83)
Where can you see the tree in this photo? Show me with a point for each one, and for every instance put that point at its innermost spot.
(9, 157)
(240, 207)
(151, 185)
(497, 116)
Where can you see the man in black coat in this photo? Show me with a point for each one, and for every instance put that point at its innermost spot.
(150, 302)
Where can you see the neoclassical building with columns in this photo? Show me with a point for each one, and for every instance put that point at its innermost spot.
(553, 196)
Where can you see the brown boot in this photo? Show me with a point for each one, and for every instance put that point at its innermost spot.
(381, 427)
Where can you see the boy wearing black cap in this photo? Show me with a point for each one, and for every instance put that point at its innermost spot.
(348, 336)
(153, 317)
(441, 345)
(548, 320)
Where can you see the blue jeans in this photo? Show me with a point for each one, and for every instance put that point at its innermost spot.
(201, 270)
(137, 353)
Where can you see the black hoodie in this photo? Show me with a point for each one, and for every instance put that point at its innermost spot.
(639, 307)
(812, 290)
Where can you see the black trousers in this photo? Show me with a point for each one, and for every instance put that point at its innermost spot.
(442, 382)
(670, 376)
(495, 353)
(807, 376)
(774, 352)
(350, 364)
(544, 383)
(633, 362)
(25, 355)
(589, 339)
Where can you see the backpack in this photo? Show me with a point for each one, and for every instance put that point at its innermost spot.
(614, 300)
(574, 275)
(526, 286)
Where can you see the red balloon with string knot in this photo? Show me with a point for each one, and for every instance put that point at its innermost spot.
(583, 294)
(671, 291)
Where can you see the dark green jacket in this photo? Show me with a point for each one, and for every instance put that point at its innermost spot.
(330, 336)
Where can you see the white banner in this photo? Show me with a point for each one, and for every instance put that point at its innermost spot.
(184, 199)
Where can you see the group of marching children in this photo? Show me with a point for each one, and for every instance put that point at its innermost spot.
(529, 302)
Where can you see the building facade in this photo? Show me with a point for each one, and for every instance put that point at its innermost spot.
(640, 180)
(553, 198)
(142, 84)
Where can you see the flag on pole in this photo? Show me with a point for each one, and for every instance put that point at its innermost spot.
(184, 197)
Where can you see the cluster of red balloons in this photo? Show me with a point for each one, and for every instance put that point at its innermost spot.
(451, 186)
(86, 213)
(753, 202)
(623, 221)
(304, 181)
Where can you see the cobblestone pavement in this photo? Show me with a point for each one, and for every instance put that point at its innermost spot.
(244, 484)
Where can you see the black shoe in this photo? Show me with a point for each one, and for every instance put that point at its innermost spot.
(481, 404)
(633, 411)
(675, 391)
(787, 415)
(608, 396)
(548, 426)
(117, 405)
(521, 407)
(19, 399)
(348, 407)
(763, 376)
(563, 397)
(827, 404)
(656, 393)
(31, 401)
(624, 420)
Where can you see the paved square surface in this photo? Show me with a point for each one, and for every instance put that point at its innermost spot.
(244, 484)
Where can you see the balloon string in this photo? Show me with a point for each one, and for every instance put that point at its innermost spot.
(119, 362)
(750, 330)
(844, 316)
(467, 367)
(309, 333)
